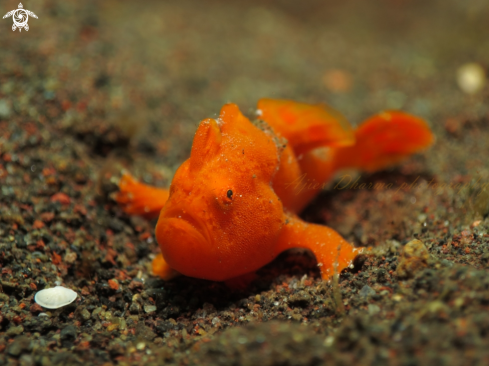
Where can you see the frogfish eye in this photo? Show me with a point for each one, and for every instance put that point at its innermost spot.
(230, 194)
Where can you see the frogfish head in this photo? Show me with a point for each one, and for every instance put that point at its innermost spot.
(222, 218)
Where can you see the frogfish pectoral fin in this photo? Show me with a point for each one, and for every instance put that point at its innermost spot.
(137, 198)
(332, 252)
(162, 269)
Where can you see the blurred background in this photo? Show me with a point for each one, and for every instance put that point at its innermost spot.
(154, 69)
(95, 86)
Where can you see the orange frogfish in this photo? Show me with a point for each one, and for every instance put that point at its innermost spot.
(232, 205)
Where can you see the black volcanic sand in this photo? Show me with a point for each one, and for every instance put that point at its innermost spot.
(94, 87)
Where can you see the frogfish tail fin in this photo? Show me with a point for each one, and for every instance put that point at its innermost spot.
(383, 140)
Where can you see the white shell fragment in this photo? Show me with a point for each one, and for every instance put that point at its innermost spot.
(471, 78)
(55, 297)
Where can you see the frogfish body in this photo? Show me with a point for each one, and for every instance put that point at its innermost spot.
(232, 205)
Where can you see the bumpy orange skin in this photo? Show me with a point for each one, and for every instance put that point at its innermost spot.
(231, 206)
(203, 230)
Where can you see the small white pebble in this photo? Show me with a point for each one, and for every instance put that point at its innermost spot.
(328, 342)
(149, 308)
(397, 297)
(471, 78)
(55, 297)
(139, 275)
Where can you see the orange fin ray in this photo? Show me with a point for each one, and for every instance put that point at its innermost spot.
(137, 198)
